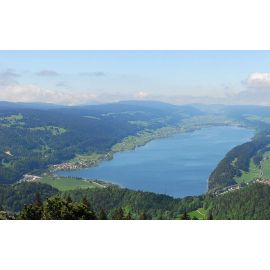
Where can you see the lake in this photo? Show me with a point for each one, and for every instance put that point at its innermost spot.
(177, 166)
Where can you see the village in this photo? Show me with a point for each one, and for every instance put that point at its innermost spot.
(83, 162)
(242, 185)
(30, 178)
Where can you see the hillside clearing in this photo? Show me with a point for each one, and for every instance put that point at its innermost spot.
(69, 183)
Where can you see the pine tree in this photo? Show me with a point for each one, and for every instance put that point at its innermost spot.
(210, 217)
(143, 216)
(128, 216)
(102, 215)
(185, 216)
(86, 203)
(38, 201)
(118, 214)
(69, 200)
(31, 212)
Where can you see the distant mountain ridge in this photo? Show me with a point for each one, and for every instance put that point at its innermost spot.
(211, 108)
(26, 105)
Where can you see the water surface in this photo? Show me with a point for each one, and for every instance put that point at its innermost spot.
(178, 165)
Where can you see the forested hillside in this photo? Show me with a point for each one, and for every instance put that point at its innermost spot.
(108, 200)
(237, 161)
(14, 197)
(39, 201)
(154, 206)
(252, 202)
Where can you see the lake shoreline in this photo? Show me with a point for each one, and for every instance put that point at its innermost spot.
(93, 160)
(177, 172)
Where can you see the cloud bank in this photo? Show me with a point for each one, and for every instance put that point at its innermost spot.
(141, 95)
(256, 91)
(32, 93)
(258, 80)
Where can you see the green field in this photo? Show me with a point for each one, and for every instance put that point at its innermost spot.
(12, 120)
(254, 171)
(54, 130)
(266, 168)
(252, 174)
(94, 157)
(69, 183)
(198, 214)
(266, 165)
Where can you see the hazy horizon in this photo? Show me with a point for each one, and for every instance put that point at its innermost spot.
(175, 77)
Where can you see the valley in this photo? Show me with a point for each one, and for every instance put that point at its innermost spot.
(43, 141)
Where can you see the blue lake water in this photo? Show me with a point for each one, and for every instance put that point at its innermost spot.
(178, 165)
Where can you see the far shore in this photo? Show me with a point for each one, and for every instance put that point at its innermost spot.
(131, 143)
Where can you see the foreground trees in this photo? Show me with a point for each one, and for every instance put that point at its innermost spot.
(249, 203)
(41, 201)
(57, 208)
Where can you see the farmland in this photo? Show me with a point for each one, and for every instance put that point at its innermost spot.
(69, 183)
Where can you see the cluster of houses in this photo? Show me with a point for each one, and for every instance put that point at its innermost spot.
(227, 189)
(69, 166)
(30, 178)
(263, 181)
(239, 186)
(82, 163)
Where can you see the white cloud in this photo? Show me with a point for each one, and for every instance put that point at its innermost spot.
(257, 91)
(141, 95)
(258, 80)
(31, 93)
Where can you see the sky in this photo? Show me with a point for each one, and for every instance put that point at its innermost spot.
(91, 77)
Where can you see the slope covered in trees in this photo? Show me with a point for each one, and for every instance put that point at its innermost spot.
(156, 206)
(237, 161)
(252, 202)
(14, 197)
(109, 201)
(39, 201)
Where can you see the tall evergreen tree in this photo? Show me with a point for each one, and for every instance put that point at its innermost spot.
(31, 212)
(38, 201)
(69, 200)
(85, 202)
(102, 215)
(118, 214)
(128, 216)
(143, 216)
(185, 216)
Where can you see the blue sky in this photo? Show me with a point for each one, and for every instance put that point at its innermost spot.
(75, 77)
